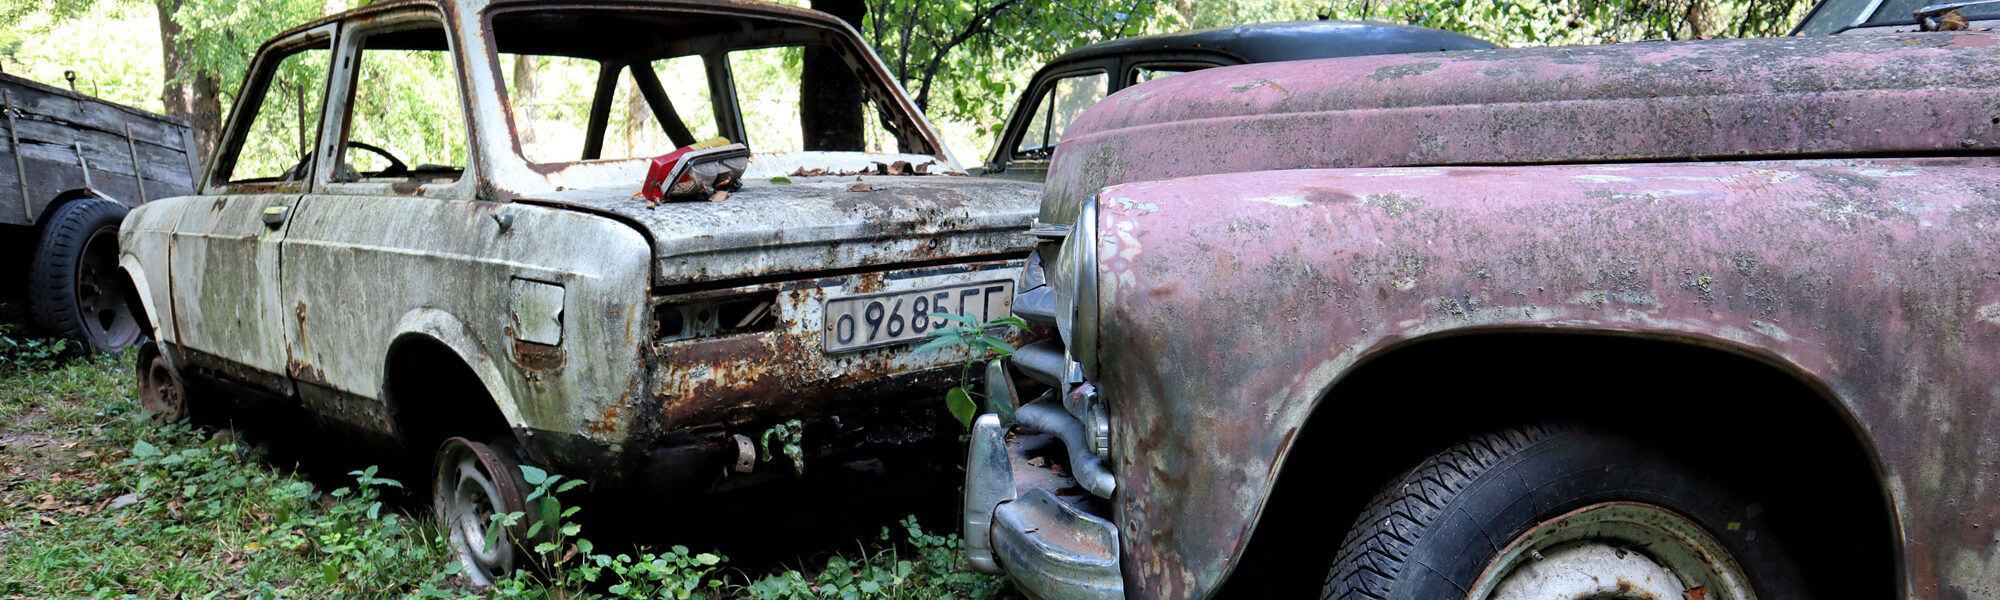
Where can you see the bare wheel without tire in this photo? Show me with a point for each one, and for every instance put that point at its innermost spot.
(1559, 513)
(161, 389)
(472, 482)
(76, 289)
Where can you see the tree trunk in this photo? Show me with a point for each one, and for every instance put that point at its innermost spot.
(527, 114)
(830, 97)
(193, 96)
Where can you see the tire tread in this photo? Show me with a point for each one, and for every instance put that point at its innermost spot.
(52, 270)
(1381, 539)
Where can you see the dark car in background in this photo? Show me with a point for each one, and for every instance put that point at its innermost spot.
(1078, 79)
(1895, 16)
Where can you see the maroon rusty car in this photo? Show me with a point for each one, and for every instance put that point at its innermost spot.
(1702, 320)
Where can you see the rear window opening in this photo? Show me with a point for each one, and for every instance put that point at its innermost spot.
(589, 85)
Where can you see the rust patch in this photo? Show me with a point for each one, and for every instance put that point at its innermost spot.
(865, 283)
(610, 420)
(538, 357)
(305, 372)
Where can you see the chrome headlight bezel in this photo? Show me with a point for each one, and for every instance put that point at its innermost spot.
(1074, 277)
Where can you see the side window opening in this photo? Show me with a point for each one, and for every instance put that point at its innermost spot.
(1144, 74)
(277, 145)
(405, 121)
(1058, 105)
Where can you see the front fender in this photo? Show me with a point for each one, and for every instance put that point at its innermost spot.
(1233, 303)
(145, 247)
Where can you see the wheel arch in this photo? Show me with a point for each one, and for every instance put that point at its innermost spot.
(438, 343)
(139, 287)
(1305, 503)
(67, 196)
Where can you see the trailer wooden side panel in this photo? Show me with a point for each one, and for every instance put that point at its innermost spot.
(55, 143)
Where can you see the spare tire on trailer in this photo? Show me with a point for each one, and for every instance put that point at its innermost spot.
(75, 288)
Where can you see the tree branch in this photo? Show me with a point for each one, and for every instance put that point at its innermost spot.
(981, 23)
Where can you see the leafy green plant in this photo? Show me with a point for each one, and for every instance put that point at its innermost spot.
(791, 439)
(934, 568)
(99, 501)
(981, 343)
(20, 352)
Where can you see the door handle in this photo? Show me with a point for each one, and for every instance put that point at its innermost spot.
(275, 215)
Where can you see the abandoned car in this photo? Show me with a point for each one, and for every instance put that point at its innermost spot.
(456, 257)
(1081, 77)
(1707, 319)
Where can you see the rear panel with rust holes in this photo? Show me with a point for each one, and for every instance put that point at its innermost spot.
(741, 359)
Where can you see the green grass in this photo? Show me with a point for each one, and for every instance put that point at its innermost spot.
(99, 500)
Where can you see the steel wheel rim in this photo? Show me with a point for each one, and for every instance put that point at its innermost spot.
(160, 388)
(101, 304)
(1614, 551)
(467, 497)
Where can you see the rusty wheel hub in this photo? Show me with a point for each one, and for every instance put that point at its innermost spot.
(1614, 550)
(472, 482)
(161, 390)
(102, 306)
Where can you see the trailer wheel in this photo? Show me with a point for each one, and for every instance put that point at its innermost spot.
(75, 289)
(1559, 512)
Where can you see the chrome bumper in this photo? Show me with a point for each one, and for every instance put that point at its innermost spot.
(1032, 524)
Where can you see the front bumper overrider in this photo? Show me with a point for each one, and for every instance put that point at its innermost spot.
(1026, 517)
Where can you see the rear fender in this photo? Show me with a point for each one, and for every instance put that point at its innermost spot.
(450, 331)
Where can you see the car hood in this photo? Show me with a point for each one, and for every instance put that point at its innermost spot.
(821, 224)
(1715, 100)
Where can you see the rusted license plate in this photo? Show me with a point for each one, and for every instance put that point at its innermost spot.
(867, 321)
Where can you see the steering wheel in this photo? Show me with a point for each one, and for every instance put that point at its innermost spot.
(396, 166)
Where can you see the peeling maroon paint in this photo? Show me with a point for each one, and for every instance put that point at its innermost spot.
(1878, 280)
(1714, 100)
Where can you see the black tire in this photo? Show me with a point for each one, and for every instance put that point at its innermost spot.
(75, 289)
(1431, 532)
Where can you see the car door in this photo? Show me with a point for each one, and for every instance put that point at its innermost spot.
(388, 225)
(224, 261)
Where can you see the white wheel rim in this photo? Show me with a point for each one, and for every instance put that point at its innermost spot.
(1614, 550)
(470, 499)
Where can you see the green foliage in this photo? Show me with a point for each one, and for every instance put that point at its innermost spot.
(108, 503)
(791, 442)
(98, 500)
(980, 343)
(42, 46)
(933, 569)
(20, 352)
(967, 61)
(222, 36)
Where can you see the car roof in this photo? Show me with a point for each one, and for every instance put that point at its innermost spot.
(453, 7)
(1293, 40)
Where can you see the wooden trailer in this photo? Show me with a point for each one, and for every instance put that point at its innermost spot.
(70, 167)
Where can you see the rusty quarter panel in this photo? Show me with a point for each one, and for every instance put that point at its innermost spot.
(1234, 302)
(1820, 96)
